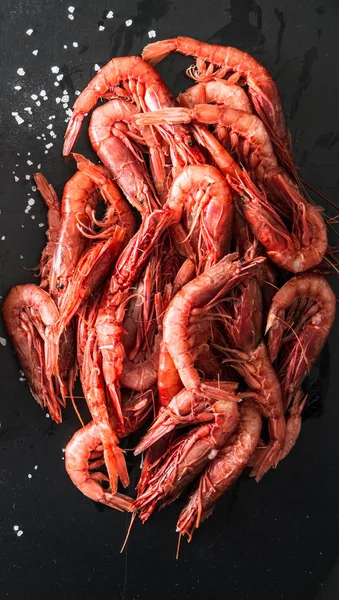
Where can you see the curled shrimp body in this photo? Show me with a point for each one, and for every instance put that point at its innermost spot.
(79, 450)
(187, 457)
(297, 250)
(195, 298)
(147, 90)
(225, 59)
(27, 311)
(222, 472)
(298, 324)
(120, 154)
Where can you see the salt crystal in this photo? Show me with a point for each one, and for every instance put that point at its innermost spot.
(96, 67)
(16, 179)
(35, 468)
(41, 224)
(60, 77)
(17, 87)
(32, 216)
(27, 177)
(3, 341)
(39, 166)
(29, 162)
(28, 109)
(42, 93)
(47, 415)
(69, 112)
(45, 98)
(152, 33)
(14, 114)
(31, 202)
(110, 14)
(56, 83)
(33, 188)
(35, 52)
(65, 105)
(38, 103)
(48, 146)
(29, 31)
(101, 28)
(16, 527)
(29, 476)
(55, 69)
(128, 23)
(19, 119)
(50, 126)
(77, 92)
(65, 46)
(57, 100)
(65, 98)
(75, 44)
(71, 17)
(34, 97)
(21, 72)
(71, 9)
(20, 532)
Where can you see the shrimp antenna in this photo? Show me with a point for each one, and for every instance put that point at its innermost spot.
(134, 514)
(319, 193)
(178, 547)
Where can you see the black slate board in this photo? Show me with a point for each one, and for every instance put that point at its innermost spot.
(275, 540)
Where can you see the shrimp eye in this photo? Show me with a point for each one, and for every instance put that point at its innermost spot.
(60, 286)
(191, 143)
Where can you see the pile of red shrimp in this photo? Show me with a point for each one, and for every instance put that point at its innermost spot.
(171, 308)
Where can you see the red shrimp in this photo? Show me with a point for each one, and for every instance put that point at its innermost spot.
(27, 311)
(195, 298)
(222, 472)
(302, 248)
(187, 457)
(296, 341)
(261, 88)
(146, 88)
(53, 217)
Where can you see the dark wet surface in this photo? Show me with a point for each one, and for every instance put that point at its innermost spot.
(278, 539)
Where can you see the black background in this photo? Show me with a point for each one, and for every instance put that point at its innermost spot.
(278, 539)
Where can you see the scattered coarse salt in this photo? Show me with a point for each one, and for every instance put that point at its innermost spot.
(96, 68)
(101, 28)
(152, 33)
(17, 87)
(41, 224)
(27, 209)
(110, 14)
(38, 103)
(75, 44)
(65, 105)
(29, 162)
(3, 340)
(38, 167)
(60, 77)
(16, 527)
(43, 93)
(21, 72)
(27, 177)
(14, 114)
(71, 9)
(69, 112)
(16, 179)
(20, 533)
(50, 126)
(77, 92)
(33, 188)
(64, 450)
(19, 119)
(28, 109)
(45, 98)
(71, 17)
(58, 100)
(65, 98)
(128, 23)
(35, 468)
(34, 97)
(55, 69)
(29, 476)
(32, 216)
(48, 146)
(53, 135)
(35, 52)
(31, 202)
(47, 415)
(29, 31)
(65, 46)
